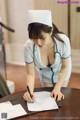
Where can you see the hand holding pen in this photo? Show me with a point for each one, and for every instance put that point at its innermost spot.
(28, 96)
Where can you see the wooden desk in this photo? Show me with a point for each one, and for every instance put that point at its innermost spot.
(70, 109)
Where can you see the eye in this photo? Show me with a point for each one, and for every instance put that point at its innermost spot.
(43, 38)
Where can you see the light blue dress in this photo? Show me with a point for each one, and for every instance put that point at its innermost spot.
(49, 74)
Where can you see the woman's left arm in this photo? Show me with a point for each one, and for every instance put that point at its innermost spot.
(56, 92)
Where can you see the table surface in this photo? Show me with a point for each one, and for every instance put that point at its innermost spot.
(70, 109)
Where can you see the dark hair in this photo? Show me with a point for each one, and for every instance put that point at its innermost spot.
(35, 29)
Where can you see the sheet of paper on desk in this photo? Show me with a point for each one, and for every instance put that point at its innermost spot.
(17, 111)
(12, 111)
(5, 106)
(43, 102)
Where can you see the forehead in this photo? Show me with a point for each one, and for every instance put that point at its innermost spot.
(44, 33)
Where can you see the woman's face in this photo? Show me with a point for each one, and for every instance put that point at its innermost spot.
(43, 40)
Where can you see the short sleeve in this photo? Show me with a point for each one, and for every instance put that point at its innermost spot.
(28, 53)
(66, 48)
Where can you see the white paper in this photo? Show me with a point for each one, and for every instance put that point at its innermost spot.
(42, 102)
(5, 106)
(12, 111)
(16, 112)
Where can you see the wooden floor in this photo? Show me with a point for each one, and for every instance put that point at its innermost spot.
(17, 74)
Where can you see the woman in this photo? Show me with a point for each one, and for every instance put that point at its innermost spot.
(48, 50)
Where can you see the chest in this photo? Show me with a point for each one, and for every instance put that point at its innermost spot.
(47, 56)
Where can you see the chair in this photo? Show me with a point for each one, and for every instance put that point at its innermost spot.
(1, 95)
(4, 90)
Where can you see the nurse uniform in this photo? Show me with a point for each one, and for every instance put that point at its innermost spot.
(49, 74)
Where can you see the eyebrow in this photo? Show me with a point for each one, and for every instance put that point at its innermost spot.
(42, 36)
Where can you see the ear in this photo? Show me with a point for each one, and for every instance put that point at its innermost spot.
(51, 32)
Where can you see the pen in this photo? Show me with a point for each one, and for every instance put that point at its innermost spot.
(29, 91)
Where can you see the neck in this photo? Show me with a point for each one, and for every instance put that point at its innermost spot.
(51, 43)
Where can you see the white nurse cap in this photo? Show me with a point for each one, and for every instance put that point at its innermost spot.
(40, 16)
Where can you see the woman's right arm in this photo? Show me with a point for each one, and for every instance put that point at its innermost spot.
(30, 82)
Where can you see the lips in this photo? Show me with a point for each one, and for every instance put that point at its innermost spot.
(40, 45)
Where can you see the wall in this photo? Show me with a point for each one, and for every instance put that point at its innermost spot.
(17, 19)
(59, 12)
(75, 27)
(75, 36)
(3, 15)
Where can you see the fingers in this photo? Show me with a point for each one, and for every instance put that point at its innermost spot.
(54, 95)
(27, 97)
(60, 97)
(33, 97)
(57, 96)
